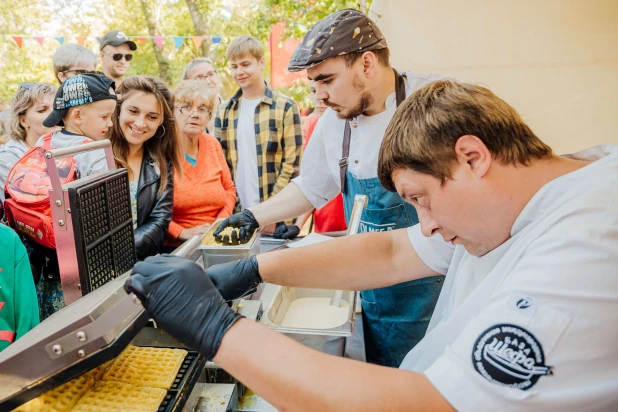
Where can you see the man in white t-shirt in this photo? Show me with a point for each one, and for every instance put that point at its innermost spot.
(528, 241)
(347, 57)
(259, 129)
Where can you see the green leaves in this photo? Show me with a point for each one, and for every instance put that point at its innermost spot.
(220, 18)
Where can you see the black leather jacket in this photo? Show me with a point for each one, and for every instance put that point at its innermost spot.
(154, 210)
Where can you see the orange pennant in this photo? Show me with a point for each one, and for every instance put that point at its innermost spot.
(141, 40)
(197, 40)
(81, 40)
(19, 40)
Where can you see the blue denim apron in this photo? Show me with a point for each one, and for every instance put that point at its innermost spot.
(395, 318)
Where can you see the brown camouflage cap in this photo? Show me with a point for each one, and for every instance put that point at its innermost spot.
(344, 31)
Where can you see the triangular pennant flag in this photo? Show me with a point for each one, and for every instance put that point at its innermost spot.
(100, 39)
(60, 40)
(81, 40)
(178, 41)
(197, 40)
(141, 40)
(39, 40)
(159, 41)
(19, 40)
(216, 40)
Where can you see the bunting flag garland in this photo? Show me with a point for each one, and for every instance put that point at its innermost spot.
(158, 40)
(19, 40)
(178, 40)
(197, 40)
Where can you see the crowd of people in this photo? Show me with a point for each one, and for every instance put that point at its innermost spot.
(486, 265)
(192, 157)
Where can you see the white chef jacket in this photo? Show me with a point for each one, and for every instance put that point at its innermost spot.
(319, 178)
(552, 286)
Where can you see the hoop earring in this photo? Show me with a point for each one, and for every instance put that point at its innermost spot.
(162, 134)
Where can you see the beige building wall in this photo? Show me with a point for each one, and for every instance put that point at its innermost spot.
(555, 61)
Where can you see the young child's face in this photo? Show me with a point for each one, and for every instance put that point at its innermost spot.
(96, 118)
(140, 117)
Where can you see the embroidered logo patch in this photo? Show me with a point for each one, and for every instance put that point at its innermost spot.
(510, 356)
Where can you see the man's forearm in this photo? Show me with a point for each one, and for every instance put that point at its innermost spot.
(288, 203)
(360, 262)
(293, 377)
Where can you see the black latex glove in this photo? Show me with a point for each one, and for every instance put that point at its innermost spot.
(183, 301)
(246, 224)
(235, 279)
(283, 231)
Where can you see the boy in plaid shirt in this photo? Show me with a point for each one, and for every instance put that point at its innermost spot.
(259, 129)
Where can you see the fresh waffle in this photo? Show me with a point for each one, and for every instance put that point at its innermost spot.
(153, 367)
(119, 396)
(62, 398)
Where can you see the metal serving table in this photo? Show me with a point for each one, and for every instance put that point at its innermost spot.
(221, 392)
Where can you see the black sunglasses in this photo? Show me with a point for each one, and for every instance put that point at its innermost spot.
(118, 56)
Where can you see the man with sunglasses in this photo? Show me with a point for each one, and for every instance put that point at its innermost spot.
(116, 55)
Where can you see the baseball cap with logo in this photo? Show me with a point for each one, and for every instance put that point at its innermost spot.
(116, 38)
(344, 31)
(79, 90)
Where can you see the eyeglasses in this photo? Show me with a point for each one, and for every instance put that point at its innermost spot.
(187, 110)
(118, 56)
(209, 75)
(78, 71)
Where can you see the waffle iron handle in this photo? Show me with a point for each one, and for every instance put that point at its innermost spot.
(55, 196)
(126, 311)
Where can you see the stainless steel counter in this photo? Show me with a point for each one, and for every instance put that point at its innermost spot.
(219, 392)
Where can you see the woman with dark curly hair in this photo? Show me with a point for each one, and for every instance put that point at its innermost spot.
(145, 143)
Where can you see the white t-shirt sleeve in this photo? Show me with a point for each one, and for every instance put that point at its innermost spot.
(546, 339)
(433, 251)
(316, 180)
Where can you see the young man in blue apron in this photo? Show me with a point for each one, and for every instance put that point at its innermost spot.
(348, 58)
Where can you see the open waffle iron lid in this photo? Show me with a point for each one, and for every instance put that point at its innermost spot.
(81, 336)
(76, 339)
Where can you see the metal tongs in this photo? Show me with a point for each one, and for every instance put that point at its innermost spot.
(360, 203)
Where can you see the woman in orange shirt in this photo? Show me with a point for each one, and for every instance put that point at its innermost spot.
(206, 191)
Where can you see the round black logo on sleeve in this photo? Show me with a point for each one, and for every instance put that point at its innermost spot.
(510, 356)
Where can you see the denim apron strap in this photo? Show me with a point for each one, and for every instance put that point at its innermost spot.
(400, 96)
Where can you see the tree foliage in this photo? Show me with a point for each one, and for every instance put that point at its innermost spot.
(220, 18)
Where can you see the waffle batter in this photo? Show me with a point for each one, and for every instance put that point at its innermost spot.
(315, 313)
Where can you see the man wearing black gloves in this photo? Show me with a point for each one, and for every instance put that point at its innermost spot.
(528, 241)
(348, 58)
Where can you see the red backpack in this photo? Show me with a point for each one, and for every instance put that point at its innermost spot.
(27, 205)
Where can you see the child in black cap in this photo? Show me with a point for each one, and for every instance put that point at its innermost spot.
(83, 106)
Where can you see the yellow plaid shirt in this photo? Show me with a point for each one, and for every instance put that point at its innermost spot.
(278, 139)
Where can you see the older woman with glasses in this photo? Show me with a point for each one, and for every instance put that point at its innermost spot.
(32, 103)
(206, 192)
(203, 69)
